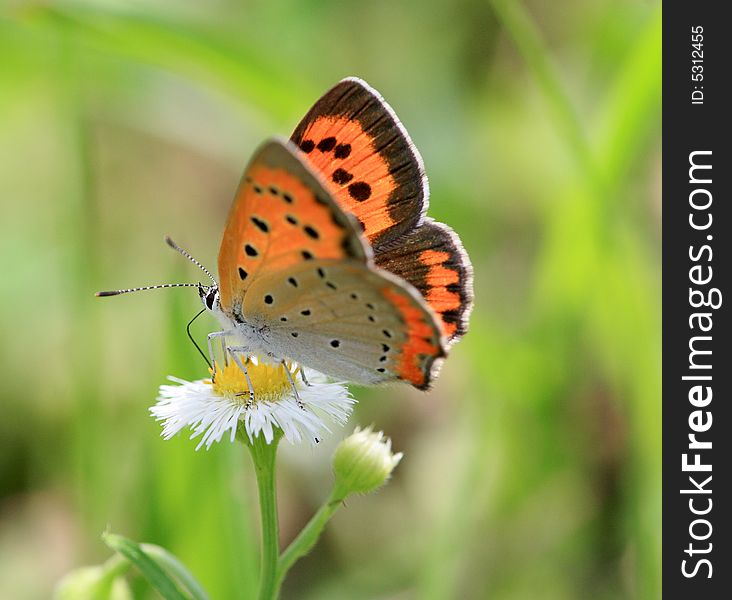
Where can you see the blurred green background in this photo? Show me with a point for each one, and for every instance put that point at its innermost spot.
(531, 471)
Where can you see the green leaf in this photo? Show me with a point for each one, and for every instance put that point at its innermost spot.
(150, 569)
(176, 568)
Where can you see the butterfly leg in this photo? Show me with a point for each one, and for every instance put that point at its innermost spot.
(292, 383)
(223, 349)
(284, 364)
(302, 376)
(209, 337)
(233, 351)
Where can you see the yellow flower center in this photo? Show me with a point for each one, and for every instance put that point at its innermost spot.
(270, 382)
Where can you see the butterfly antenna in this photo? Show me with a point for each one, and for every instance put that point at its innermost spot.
(142, 289)
(176, 247)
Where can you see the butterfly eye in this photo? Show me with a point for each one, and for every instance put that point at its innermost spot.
(210, 299)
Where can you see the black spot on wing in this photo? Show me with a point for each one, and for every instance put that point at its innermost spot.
(326, 144)
(260, 224)
(311, 232)
(451, 316)
(360, 191)
(342, 151)
(341, 176)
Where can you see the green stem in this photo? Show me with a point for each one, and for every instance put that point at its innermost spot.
(309, 536)
(263, 457)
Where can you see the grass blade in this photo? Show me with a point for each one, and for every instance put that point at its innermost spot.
(177, 569)
(150, 569)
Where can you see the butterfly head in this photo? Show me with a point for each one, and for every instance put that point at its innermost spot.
(209, 295)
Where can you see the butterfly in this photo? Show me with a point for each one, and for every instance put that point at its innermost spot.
(327, 257)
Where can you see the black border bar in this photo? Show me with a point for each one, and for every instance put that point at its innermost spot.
(697, 229)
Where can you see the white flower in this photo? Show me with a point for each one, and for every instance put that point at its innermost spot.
(213, 409)
(364, 461)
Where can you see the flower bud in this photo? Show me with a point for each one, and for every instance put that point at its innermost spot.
(91, 583)
(364, 461)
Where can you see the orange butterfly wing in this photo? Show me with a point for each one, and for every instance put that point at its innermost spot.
(281, 216)
(353, 138)
(433, 260)
(372, 168)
